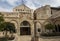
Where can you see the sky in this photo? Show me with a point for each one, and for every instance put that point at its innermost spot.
(8, 5)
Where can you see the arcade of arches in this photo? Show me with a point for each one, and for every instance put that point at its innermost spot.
(56, 25)
(25, 27)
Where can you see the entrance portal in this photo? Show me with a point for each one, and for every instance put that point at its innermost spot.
(25, 28)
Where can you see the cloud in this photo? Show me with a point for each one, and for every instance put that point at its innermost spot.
(30, 4)
(11, 2)
(38, 3)
(5, 10)
(57, 3)
(7, 5)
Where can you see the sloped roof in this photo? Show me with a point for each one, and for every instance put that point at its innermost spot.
(22, 6)
(55, 8)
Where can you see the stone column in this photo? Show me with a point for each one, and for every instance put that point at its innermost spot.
(17, 32)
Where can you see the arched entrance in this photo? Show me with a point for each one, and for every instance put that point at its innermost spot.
(25, 28)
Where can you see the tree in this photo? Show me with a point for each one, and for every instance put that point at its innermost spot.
(6, 26)
(1, 22)
(10, 27)
(2, 26)
(49, 26)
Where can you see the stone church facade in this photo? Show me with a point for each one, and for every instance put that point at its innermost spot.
(23, 19)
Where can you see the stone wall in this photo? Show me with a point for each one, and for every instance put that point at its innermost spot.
(56, 38)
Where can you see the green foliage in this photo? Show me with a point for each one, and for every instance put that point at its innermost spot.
(1, 22)
(49, 26)
(3, 39)
(1, 18)
(9, 27)
(6, 26)
(2, 26)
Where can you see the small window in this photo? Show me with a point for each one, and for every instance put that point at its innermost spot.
(39, 29)
(16, 9)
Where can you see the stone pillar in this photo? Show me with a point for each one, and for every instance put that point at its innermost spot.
(17, 32)
(32, 29)
(43, 28)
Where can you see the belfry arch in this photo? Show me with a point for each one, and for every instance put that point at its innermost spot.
(25, 28)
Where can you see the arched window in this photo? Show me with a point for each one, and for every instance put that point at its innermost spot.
(25, 28)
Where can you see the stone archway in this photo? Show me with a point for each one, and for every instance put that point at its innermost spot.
(45, 23)
(15, 23)
(25, 28)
